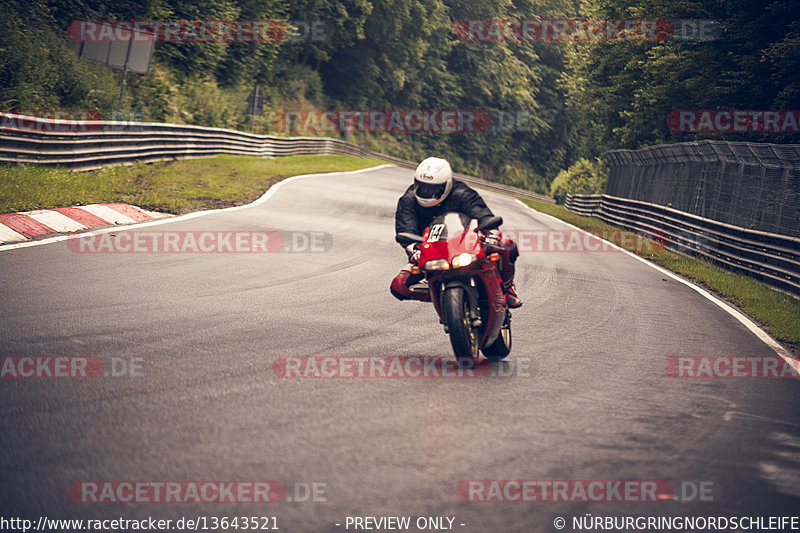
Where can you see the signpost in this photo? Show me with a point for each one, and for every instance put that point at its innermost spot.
(129, 49)
(255, 105)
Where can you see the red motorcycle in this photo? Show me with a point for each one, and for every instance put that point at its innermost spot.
(464, 285)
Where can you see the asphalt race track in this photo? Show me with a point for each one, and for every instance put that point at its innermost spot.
(585, 396)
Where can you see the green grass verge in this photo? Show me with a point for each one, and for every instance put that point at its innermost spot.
(172, 187)
(777, 312)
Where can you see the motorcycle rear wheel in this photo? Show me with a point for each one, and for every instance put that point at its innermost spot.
(463, 336)
(501, 347)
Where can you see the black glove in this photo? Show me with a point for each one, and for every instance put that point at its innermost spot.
(413, 252)
(493, 238)
(491, 242)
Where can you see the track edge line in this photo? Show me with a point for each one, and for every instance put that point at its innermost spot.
(754, 328)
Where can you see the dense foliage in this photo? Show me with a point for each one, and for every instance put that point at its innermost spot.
(562, 101)
(582, 177)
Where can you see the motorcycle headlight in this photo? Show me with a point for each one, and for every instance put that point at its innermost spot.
(462, 260)
(436, 264)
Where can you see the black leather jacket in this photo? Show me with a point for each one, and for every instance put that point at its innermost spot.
(413, 218)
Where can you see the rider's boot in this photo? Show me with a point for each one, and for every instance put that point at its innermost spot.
(507, 275)
(512, 299)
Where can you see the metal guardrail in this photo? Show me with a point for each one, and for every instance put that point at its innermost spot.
(745, 184)
(772, 258)
(90, 145)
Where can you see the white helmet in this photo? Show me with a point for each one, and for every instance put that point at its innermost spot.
(433, 180)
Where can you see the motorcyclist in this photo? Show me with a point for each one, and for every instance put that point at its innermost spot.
(433, 193)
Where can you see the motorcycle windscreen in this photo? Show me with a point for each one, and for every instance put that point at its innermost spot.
(448, 235)
(448, 226)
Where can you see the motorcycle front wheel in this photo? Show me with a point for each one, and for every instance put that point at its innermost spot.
(463, 336)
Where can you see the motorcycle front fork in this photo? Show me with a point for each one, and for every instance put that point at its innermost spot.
(474, 311)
